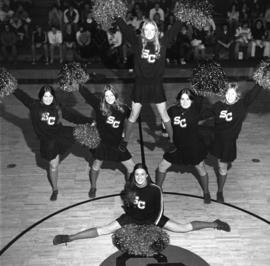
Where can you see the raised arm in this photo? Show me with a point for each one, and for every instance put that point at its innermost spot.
(158, 207)
(251, 95)
(24, 98)
(128, 33)
(89, 97)
(74, 116)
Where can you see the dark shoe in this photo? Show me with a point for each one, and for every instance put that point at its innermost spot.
(60, 239)
(206, 198)
(171, 147)
(122, 146)
(222, 226)
(92, 192)
(220, 197)
(54, 195)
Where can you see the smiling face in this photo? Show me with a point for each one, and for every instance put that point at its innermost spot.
(140, 176)
(109, 97)
(185, 101)
(47, 98)
(231, 96)
(149, 31)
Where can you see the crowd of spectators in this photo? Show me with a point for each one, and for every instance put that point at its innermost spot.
(70, 33)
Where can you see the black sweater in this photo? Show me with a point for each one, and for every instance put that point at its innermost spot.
(110, 127)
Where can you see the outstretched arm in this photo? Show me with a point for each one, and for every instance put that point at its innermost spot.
(74, 116)
(127, 32)
(24, 97)
(251, 95)
(89, 97)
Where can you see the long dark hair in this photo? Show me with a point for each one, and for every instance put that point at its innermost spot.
(44, 89)
(105, 107)
(187, 91)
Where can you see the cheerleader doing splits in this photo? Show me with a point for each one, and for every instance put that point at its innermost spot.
(228, 115)
(55, 139)
(149, 64)
(191, 149)
(111, 116)
(145, 208)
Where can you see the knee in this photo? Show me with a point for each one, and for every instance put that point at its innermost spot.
(222, 169)
(130, 167)
(54, 165)
(162, 167)
(96, 165)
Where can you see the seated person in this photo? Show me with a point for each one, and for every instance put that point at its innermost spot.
(55, 39)
(39, 41)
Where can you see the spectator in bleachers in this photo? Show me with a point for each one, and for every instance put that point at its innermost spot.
(17, 26)
(160, 24)
(224, 44)
(69, 42)
(55, 39)
(83, 38)
(184, 44)
(8, 40)
(242, 41)
(258, 37)
(55, 17)
(71, 16)
(256, 9)
(114, 36)
(85, 13)
(39, 41)
(209, 42)
(5, 13)
(266, 43)
(157, 10)
(198, 45)
(22, 14)
(233, 17)
(129, 18)
(245, 13)
(138, 20)
(267, 17)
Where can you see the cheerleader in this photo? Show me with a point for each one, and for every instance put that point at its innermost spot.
(149, 64)
(228, 114)
(111, 116)
(191, 149)
(143, 205)
(55, 139)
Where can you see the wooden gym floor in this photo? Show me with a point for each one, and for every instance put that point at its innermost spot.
(25, 190)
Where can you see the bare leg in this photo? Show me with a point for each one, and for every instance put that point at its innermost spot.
(53, 176)
(129, 164)
(222, 177)
(93, 175)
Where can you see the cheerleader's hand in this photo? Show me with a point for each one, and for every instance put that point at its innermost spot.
(122, 145)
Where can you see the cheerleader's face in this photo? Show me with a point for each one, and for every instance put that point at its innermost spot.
(140, 177)
(185, 101)
(231, 96)
(109, 97)
(149, 31)
(47, 98)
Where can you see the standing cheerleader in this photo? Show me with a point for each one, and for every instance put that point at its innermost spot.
(228, 115)
(55, 139)
(111, 116)
(149, 64)
(191, 149)
(143, 205)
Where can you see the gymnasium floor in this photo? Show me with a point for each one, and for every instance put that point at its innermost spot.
(25, 190)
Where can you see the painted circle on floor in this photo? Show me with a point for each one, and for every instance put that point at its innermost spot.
(176, 256)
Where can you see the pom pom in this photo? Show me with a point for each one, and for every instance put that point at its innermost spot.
(71, 75)
(128, 197)
(209, 79)
(142, 240)
(105, 11)
(8, 83)
(262, 74)
(195, 12)
(87, 135)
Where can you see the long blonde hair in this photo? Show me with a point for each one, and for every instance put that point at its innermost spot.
(105, 107)
(156, 37)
